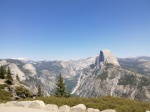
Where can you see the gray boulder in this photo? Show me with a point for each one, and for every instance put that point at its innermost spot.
(11, 103)
(93, 110)
(19, 109)
(64, 108)
(78, 108)
(51, 108)
(37, 104)
(108, 110)
(23, 103)
(2, 104)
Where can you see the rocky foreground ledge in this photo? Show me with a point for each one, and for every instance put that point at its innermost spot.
(39, 106)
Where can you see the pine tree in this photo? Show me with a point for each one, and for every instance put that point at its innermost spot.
(9, 77)
(39, 93)
(61, 90)
(17, 77)
(67, 93)
(2, 72)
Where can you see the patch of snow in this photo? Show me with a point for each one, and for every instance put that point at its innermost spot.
(34, 63)
(21, 58)
(136, 57)
(142, 60)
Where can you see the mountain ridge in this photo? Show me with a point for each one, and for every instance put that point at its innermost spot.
(46, 72)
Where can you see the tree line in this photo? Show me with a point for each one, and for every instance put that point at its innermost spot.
(6, 74)
(61, 88)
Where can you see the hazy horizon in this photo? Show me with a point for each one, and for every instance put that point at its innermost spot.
(24, 58)
(64, 30)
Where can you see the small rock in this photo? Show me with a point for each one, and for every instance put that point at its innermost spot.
(78, 108)
(11, 103)
(23, 103)
(93, 110)
(51, 108)
(108, 110)
(2, 104)
(37, 104)
(64, 108)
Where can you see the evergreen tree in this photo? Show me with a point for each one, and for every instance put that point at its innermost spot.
(17, 77)
(67, 93)
(2, 72)
(39, 93)
(8, 77)
(61, 90)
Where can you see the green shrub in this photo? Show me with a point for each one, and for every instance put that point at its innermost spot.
(144, 81)
(108, 65)
(92, 66)
(9, 82)
(128, 79)
(21, 90)
(5, 96)
(2, 86)
(102, 103)
(103, 75)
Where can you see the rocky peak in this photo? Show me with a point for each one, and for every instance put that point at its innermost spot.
(16, 71)
(106, 56)
(3, 62)
(31, 70)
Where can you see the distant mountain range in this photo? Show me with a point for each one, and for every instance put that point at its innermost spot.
(99, 75)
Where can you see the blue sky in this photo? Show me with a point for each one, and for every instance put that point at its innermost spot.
(73, 29)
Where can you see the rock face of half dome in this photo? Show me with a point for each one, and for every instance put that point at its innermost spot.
(106, 56)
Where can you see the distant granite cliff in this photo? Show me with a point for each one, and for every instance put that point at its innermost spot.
(106, 56)
(99, 75)
(106, 77)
